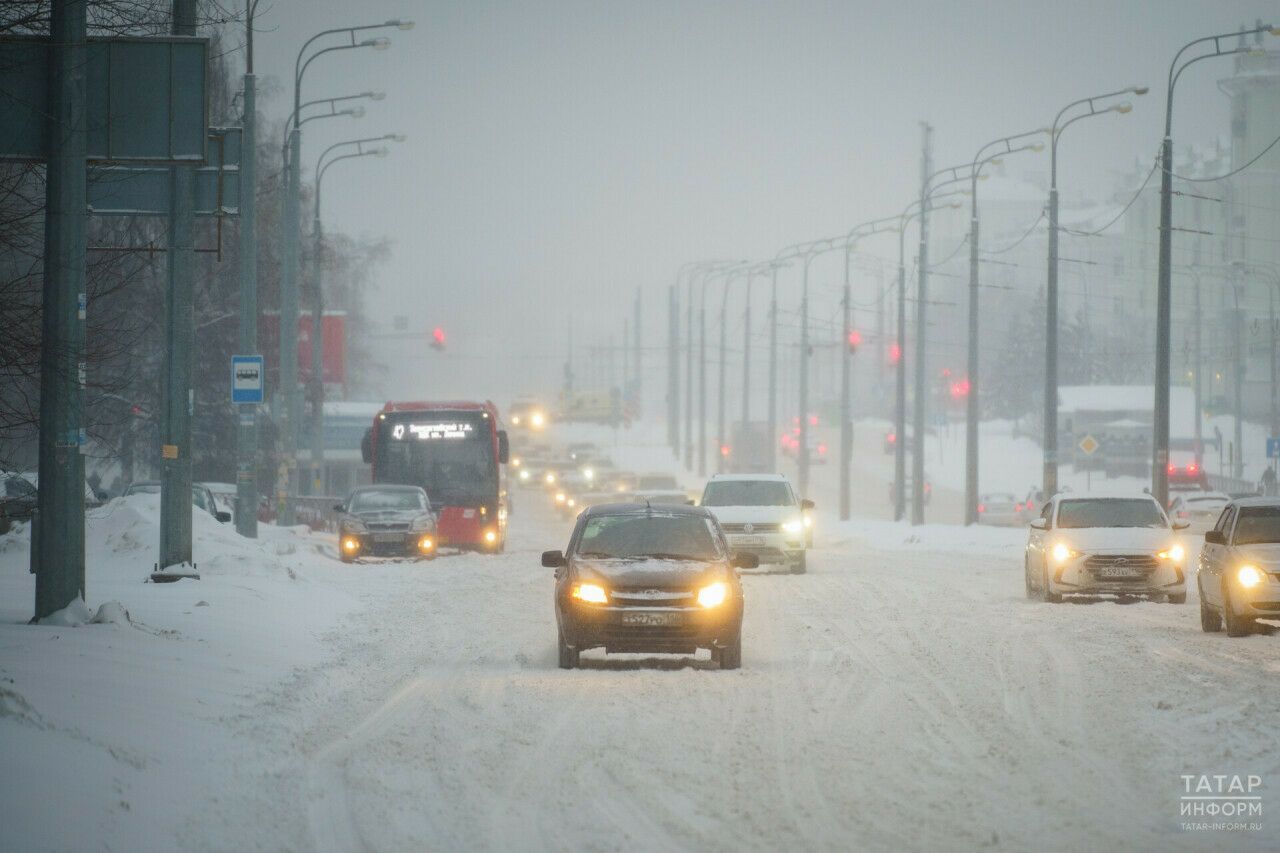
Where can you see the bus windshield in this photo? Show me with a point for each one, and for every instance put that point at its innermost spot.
(447, 453)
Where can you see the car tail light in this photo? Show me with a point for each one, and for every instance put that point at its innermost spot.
(891, 438)
(1182, 513)
(1191, 469)
(982, 507)
(1172, 467)
(1017, 507)
(822, 449)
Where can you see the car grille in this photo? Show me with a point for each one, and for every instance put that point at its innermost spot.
(762, 527)
(1136, 563)
(650, 598)
(387, 526)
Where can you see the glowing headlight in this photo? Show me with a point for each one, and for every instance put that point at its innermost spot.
(515, 420)
(426, 543)
(550, 478)
(491, 536)
(1249, 576)
(713, 595)
(350, 544)
(793, 526)
(1176, 553)
(571, 502)
(515, 461)
(560, 497)
(1062, 553)
(537, 419)
(524, 474)
(588, 474)
(590, 593)
(808, 521)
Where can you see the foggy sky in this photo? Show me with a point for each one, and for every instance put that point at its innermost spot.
(562, 154)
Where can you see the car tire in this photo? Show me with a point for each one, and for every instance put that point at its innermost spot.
(345, 558)
(1237, 626)
(800, 564)
(1026, 579)
(1046, 595)
(1210, 619)
(730, 656)
(568, 655)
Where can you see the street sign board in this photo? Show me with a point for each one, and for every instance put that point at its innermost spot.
(247, 379)
(144, 191)
(1089, 445)
(1273, 448)
(145, 98)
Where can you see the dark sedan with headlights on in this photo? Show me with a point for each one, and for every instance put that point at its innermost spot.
(386, 521)
(648, 578)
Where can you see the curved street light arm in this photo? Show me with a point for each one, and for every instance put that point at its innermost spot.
(373, 152)
(1175, 70)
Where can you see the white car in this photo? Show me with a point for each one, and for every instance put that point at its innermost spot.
(1239, 576)
(1093, 544)
(761, 515)
(1198, 509)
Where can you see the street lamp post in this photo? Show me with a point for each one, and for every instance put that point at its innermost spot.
(291, 414)
(703, 269)
(317, 304)
(726, 271)
(1164, 280)
(1050, 427)
(980, 159)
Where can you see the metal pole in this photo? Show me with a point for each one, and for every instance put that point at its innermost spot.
(971, 401)
(746, 353)
(1198, 388)
(1050, 475)
(922, 291)
(900, 392)
(803, 451)
(246, 515)
(178, 394)
(702, 381)
(1164, 302)
(773, 371)
(688, 381)
(846, 406)
(1271, 359)
(286, 395)
(721, 437)
(1237, 458)
(317, 355)
(58, 537)
(637, 375)
(673, 370)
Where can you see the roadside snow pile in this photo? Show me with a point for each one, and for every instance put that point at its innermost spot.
(1003, 542)
(77, 613)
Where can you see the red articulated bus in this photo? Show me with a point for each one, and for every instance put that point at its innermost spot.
(457, 452)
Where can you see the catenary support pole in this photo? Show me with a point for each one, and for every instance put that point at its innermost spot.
(922, 299)
(58, 536)
(246, 515)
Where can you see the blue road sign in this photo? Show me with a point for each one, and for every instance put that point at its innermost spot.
(1273, 448)
(247, 379)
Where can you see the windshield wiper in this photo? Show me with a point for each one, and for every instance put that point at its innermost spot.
(663, 556)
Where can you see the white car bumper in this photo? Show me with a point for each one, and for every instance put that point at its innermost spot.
(768, 547)
(1119, 574)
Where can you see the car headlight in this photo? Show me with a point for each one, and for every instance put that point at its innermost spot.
(793, 526)
(538, 419)
(588, 474)
(1063, 552)
(524, 475)
(560, 497)
(1249, 576)
(713, 595)
(590, 593)
(515, 461)
(1175, 553)
(571, 502)
(808, 521)
(490, 536)
(550, 479)
(515, 420)
(350, 544)
(426, 544)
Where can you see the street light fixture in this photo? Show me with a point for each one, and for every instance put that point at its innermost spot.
(1164, 280)
(1049, 443)
(980, 159)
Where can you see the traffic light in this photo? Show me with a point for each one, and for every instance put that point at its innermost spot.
(855, 338)
(960, 389)
(895, 352)
(437, 338)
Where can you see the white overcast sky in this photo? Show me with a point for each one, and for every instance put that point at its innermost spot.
(563, 154)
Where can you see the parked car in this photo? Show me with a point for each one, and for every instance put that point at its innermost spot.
(640, 579)
(928, 490)
(762, 515)
(386, 521)
(1093, 544)
(201, 497)
(1000, 508)
(1239, 571)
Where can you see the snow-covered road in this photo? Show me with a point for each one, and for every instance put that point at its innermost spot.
(903, 694)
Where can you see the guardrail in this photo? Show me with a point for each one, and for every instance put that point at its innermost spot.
(1232, 485)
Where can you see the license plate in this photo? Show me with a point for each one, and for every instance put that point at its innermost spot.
(748, 540)
(650, 619)
(1117, 572)
(388, 537)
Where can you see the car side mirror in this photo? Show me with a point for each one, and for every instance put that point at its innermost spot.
(806, 504)
(552, 559)
(504, 447)
(366, 446)
(1215, 537)
(1040, 523)
(223, 516)
(338, 508)
(1181, 525)
(745, 560)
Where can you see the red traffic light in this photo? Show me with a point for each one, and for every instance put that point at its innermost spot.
(855, 338)
(895, 352)
(960, 389)
(437, 338)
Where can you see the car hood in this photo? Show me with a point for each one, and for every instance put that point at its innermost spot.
(1264, 555)
(1125, 540)
(754, 514)
(384, 516)
(658, 574)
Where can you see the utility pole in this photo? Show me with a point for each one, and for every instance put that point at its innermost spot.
(900, 385)
(673, 370)
(688, 379)
(846, 405)
(702, 381)
(922, 299)
(637, 374)
(746, 353)
(317, 354)
(721, 437)
(178, 394)
(58, 535)
(1198, 369)
(247, 430)
(773, 370)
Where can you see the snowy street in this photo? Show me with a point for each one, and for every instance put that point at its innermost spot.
(903, 693)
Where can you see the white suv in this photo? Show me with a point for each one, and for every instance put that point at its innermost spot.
(761, 515)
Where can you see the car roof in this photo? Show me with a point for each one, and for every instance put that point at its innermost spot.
(388, 487)
(776, 478)
(1201, 496)
(638, 508)
(1260, 501)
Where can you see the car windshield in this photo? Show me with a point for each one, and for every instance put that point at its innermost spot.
(656, 482)
(1110, 512)
(391, 499)
(999, 498)
(1212, 499)
(144, 489)
(747, 493)
(1258, 524)
(649, 535)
